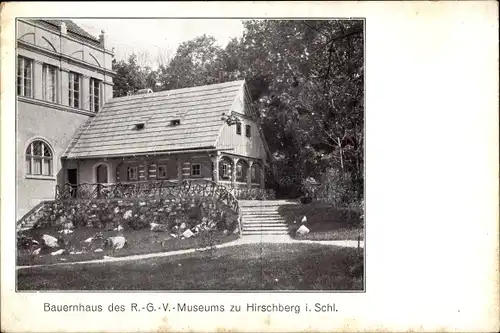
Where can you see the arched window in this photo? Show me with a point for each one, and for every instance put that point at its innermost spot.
(225, 168)
(241, 171)
(255, 173)
(39, 159)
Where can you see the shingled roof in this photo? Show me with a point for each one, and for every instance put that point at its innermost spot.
(113, 132)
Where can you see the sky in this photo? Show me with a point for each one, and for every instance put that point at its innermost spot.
(154, 39)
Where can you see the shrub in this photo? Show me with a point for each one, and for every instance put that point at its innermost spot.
(230, 221)
(335, 187)
(310, 187)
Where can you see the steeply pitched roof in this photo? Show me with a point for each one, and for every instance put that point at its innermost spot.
(112, 131)
(72, 28)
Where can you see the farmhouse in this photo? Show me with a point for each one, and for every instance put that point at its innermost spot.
(205, 132)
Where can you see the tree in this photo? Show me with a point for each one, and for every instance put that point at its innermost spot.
(306, 79)
(130, 77)
(194, 64)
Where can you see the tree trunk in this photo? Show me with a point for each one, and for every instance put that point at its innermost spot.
(341, 153)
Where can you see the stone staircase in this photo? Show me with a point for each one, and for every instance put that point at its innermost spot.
(261, 217)
(30, 218)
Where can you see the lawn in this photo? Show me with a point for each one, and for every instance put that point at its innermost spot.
(243, 267)
(138, 242)
(324, 221)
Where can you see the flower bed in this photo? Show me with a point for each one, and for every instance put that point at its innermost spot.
(205, 212)
(138, 242)
(148, 225)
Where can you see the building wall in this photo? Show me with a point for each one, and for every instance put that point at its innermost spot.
(251, 147)
(147, 168)
(57, 128)
(54, 122)
(240, 144)
(44, 45)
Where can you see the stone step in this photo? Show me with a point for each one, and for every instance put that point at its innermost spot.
(264, 221)
(260, 206)
(266, 232)
(260, 212)
(264, 224)
(262, 216)
(253, 228)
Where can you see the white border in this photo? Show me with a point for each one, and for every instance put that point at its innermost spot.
(431, 170)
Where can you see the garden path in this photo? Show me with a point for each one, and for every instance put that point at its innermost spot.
(250, 239)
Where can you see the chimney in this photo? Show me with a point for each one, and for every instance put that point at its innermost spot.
(102, 39)
(64, 29)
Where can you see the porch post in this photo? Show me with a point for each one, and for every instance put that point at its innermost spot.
(215, 160)
(233, 174)
(112, 171)
(118, 166)
(249, 174)
(179, 170)
(262, 174)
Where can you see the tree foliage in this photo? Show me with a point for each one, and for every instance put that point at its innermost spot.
(306, 80)
(130, 77)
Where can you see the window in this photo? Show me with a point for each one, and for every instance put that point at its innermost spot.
(74, 90)
(225, 170)
(248, 129)
(49, 83)
(175, 122)
(139, 126)
(24, 76)
(195, 170)
(94, 94)
(255, 173)
(39, 159)
(132, 173)
(239, 171)
(238, 128)
(162, 171)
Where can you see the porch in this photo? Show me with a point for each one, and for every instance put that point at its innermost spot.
(231, 171)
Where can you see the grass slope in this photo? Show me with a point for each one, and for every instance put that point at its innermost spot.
(244, 267)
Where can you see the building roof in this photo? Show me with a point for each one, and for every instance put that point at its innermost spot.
(72, 28)
(113, 132)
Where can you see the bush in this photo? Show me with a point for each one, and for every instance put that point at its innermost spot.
(335, 187)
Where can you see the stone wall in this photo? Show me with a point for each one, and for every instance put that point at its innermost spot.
(140, 213)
